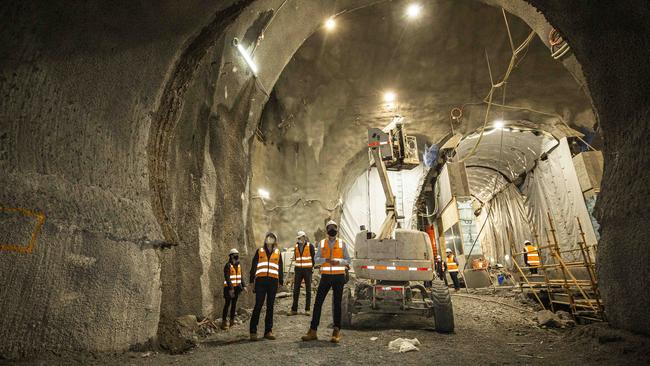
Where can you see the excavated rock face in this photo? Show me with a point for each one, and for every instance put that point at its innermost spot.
(128, 126)
(316, 120)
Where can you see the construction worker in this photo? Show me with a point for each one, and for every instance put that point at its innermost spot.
(531, 257)
(266, 275)
(233, 285)
(333, 257)
(440, 269)
(303, 267)
(451, 264)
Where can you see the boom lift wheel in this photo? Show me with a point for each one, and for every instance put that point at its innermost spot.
(443, 311)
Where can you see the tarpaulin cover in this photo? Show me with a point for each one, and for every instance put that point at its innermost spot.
(365, 204)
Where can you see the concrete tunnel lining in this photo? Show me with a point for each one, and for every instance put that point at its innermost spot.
(84, 230)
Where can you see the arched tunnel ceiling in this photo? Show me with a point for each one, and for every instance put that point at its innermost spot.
(315, 123)
(503, 154)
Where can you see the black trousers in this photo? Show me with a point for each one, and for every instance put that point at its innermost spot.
(231, 303)
(336, 283)
(265, 289)
(454, 278)
(300, 275)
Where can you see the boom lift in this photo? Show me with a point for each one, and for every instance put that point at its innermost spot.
(393, 264)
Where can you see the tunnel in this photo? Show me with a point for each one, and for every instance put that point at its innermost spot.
(141, 141)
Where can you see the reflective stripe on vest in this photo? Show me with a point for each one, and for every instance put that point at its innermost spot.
(331, 253)
(452, 266)
(268, 267)
(303, 260)
(235, 276)
(533, 255)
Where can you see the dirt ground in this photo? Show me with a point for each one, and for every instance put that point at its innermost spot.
(487, 333)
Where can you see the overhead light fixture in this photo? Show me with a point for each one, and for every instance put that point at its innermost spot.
(413, 10)
(330, 24)
(506, 257)
(390, 96)
(498, 123)
(263, 193)
(247, 57)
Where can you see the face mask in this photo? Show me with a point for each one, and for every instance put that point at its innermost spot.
(332, 232)
(235, 259)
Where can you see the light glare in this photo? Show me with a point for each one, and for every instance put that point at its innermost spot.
(247, 58)
(330, 24)
(390, 96)
(414, 10)
(264, 193)
(498, 123)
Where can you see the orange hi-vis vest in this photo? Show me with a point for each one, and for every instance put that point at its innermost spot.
(331, 253)
(235, 276)
(303, 260)
(268, 267)
(452, 266)
(533, 256)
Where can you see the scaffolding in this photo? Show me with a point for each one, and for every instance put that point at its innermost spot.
(558, 279)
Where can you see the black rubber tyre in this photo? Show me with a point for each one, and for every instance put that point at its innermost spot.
(346, 308)
(443, 312)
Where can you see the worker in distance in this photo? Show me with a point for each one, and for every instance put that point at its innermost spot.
(233, 285)
(304, 254)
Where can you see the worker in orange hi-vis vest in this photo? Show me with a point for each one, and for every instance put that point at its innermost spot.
(233, 285)
(304, 253)
(451, 265)
(531, 257)
(333, 257)
(266, 275)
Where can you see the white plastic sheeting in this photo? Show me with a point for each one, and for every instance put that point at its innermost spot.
(552, 187)
(365, 204)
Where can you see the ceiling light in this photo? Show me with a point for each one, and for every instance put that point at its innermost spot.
(390, 96)
(263, 193)
(246, 56)
(498, 123)
(330, 24)
(413, 10)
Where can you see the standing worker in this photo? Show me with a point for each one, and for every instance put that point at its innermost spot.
(233, 285)
(266, 274)
(452, 267)
(303, 267)
(531, 257)
(440, 269)
(333, 257)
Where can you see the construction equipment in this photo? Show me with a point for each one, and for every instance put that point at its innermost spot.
(391, 263)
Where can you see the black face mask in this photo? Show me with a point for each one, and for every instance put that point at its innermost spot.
(235, 259)
(332, 232)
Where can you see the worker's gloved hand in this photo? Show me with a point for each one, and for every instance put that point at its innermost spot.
(231, 293)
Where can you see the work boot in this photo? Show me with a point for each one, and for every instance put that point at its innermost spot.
(293, 312)
(336, 335)
(307, 312)
(253, 337)
(311, 335)
(269, 336)
(224, 325)
(232, 322)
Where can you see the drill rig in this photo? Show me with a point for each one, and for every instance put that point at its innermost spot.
(393, 264)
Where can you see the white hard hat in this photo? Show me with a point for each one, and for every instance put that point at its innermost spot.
(437, 257)
(300, 234)
(527, 242)
(448, 250)
(333, 223)
(233, 251)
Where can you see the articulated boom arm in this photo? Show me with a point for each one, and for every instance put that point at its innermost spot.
(389, 223)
